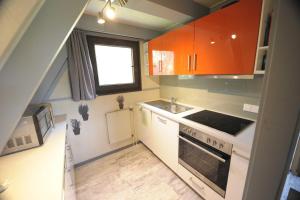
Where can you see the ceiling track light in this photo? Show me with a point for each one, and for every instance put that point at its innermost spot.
(109, 11)
(100, 18)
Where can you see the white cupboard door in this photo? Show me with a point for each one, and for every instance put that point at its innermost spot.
(143, 126)
(165, 134)
(237, 177)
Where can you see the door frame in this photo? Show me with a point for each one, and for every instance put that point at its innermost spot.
(279, 107)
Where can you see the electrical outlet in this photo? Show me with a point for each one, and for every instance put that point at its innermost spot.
(254, 109)
(251, 108)
(247, 107)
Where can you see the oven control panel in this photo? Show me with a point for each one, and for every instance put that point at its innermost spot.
(207, 139)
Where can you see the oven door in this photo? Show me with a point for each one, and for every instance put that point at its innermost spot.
(208, 164)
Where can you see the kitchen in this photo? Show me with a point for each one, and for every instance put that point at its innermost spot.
(181, 88)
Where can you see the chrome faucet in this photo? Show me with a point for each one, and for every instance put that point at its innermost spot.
(173, 100)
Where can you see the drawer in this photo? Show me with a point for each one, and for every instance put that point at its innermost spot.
(201, 188)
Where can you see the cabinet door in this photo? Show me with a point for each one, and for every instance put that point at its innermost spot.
(69, 187)
(226, 40)
(165, 134)
(143, 126)
(237, 177)
(161, 55)
(155, 56)
(168, 56)
(183, 38)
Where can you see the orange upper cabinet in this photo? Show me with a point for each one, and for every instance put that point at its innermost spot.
(184, 48)
(223, 42)
(154, 51)
(171, 53)
(226, 40)
(161, 55)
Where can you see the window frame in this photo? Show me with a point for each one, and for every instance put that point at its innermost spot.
(116, 88)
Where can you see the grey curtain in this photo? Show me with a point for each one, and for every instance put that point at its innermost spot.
(80, 67)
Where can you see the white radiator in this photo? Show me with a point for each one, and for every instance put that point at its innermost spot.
(119, 125)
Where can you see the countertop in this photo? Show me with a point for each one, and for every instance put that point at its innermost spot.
(242, 143)
(34, 174)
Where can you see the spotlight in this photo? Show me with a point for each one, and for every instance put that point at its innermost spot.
(110, 12)
(100, 18)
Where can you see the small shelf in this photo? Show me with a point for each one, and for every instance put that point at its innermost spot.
(262, 45)
(259, 72)
(263, 48)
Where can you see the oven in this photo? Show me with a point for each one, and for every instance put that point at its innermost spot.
(206, 157)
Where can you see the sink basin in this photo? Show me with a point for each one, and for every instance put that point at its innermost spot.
(167, 106)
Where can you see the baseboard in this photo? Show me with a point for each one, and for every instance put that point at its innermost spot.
(103, 155)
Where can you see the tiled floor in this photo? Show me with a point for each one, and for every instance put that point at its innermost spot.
(132, 174)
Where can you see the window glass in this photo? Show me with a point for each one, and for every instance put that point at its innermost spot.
(114, 65)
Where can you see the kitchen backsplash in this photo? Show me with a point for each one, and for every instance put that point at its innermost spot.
(224, 95)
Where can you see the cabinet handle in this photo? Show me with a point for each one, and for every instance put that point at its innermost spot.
(160, 66)
(189, 63)
(202, 149)
(195, 62)
(164, 121)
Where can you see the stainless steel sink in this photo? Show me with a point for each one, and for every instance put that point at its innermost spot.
(168, 106)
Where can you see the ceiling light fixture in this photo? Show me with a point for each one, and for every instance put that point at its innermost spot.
(100, 18)
(109, 11)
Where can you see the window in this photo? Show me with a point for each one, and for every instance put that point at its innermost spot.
(116, 65)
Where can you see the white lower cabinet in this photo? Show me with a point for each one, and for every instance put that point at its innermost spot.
(237, 176)
(69, 182)
(143, 126)
(165, 137)
(160, 135)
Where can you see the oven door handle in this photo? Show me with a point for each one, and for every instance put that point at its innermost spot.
(202, 149)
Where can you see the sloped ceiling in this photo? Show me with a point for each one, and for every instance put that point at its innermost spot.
(26, 67)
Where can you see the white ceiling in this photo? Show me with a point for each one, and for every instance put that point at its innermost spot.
(131, 16)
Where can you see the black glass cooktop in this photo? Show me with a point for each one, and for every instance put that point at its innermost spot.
(226, 123)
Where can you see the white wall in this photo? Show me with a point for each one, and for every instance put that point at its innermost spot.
(93, 140)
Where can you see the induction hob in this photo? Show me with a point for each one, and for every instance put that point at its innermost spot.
(226, 123)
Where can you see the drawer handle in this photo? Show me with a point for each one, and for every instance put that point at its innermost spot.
(200, 187)
(164, 121)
